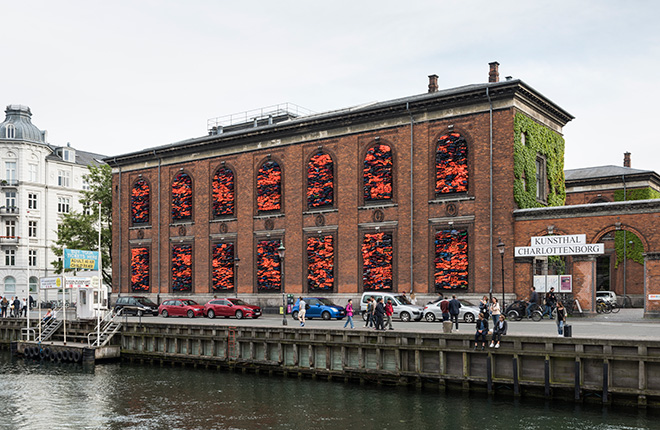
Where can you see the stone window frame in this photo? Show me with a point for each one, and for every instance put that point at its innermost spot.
(171, 195)
(459, 223)
(130, 271)
(363, 154)
(234, 264)
(228, 166)
(541, 179)
(192, 267)
(280, 163)
(255, 267)
(360, 238)
(148, 223)
(317, 151)
(305, 287)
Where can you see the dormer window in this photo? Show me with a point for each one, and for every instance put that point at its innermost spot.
(69, 155)
(10, 132)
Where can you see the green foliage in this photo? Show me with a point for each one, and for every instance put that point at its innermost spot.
(538, 140)
(637, 194)
(634, 250)
(80, 230)
(557, 262)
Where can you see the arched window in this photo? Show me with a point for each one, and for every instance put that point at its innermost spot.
(320, 263)
(181, 268)
(10, 132)
(269, 187)
(269, 269)
(320, 181)
(10, 285)
(377, 259)
(377, 173)
(223, 266)
(140, 269)
(451, 260)
(223, 192)
(451, 164)
(182, 197)
(140, 202)
(34, 284)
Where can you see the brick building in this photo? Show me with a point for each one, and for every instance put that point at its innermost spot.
(410, 194)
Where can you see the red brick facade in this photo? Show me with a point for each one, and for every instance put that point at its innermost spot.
(347, 138)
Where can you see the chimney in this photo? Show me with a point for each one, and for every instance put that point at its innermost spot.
(494, 74)
(626, 159)
(433, 83)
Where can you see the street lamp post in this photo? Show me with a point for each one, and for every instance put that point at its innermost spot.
(280, 251)
(500, 247)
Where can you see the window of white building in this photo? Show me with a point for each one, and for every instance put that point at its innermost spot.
(32, 257)
(10, 172)
(10, 228)
(33, 172)
(63, 204)
(10, 285)
(10, 199)
(32, 229)
(32, 201)
(10, 257)
(10, 132)
(63, 178)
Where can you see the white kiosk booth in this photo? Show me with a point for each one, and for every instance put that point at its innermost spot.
(91, 299)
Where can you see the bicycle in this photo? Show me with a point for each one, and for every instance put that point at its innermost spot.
(603, 307)
(518, 310)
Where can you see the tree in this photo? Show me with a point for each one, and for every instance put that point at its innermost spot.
(79, 230)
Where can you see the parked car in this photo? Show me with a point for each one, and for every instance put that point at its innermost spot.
(319, 307)
(181, 308)
(608, 296)
(135, 305)
(468, 311)
(403, 309)
(230, 307)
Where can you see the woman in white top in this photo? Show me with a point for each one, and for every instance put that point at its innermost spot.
(495, 310)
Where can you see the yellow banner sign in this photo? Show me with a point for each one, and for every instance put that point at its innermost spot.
(81, 263)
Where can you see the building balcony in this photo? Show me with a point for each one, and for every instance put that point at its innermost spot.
(8, 241)
(8, 183)
(9, 211)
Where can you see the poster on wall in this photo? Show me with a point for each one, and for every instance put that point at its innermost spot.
(539, 283)
(552, 282)
(565, 283)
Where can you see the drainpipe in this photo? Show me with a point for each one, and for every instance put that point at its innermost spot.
(120, 237)
(158, 245)
(625, 244)
(412, 200)
(490, 183)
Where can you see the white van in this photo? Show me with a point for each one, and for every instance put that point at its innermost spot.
(403, 309)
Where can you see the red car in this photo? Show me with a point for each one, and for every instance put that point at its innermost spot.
(181, 308)
(230, 307)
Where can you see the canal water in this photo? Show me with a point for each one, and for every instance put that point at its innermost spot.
(50, 396)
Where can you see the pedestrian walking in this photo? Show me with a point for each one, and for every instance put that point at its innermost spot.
(413, 299)
(484, 306)
(24, 308)
(16, 307)
(482, 331)
(454, 309)
(349, 313)
(389, 311)
(370, 313)
(550, 302)
(379, 312)
(302, 310)
(533, 301)
(495, 310)
(561, 318)
(4, 303)
(444, 308)
(499, 330)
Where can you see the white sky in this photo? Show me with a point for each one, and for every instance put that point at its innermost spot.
(119, 76)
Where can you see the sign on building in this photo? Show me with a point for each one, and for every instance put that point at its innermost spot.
(79, 259)
(50, 283)
(76, 282)
(572, 244)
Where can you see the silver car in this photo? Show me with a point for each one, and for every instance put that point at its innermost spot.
(403, 309)
(468, 311)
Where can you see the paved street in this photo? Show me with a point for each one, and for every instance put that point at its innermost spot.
(627, 324)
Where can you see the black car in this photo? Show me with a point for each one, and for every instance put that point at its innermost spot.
(135, 305)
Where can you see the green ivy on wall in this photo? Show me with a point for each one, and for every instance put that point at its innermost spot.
(637, 194)
(635, 249)
(538, 140)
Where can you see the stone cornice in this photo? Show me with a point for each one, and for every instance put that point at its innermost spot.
(587, 210)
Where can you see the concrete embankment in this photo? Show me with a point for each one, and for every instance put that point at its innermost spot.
(594, 370)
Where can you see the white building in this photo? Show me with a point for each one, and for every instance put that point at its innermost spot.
(39, 183)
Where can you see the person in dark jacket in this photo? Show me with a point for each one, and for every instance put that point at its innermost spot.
(533, 301)
(550, 302)
(499, 330)
(482, 331)
(444, 308)
(379, 313)
(454, 309)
